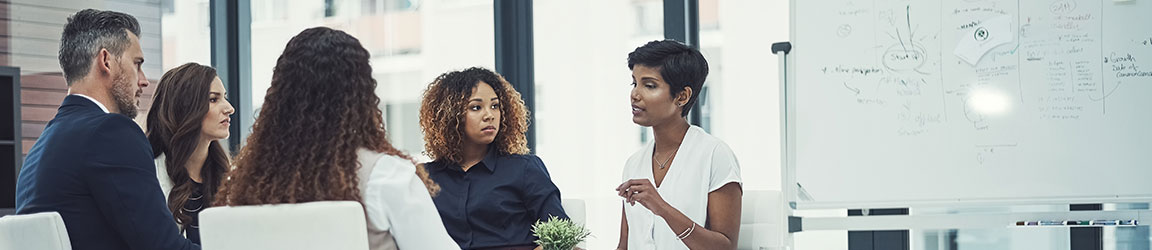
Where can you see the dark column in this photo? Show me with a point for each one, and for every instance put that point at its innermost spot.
(682, 23)
(514, 58)
(231, 25)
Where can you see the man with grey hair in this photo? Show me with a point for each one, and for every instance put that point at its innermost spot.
(93, 164)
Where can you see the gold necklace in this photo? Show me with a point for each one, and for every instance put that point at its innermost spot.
(662, 165)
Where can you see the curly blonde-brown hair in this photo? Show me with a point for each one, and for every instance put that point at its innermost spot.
(320, 109)
(442, 114)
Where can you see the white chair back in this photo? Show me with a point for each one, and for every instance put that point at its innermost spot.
(336, 225)
(34, 231)
(762, 223)
(575, 210)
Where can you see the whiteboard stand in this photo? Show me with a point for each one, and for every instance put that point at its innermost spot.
(787, 174)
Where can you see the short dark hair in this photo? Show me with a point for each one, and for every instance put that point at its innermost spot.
(678, 64)
(88, 31)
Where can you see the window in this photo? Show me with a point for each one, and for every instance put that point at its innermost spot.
(742, 106)
(329, 8)
(649, 16)
(583, 124)
(31, 42)
(185, 34)
(407, 52)
(372, 7)
(268, 11)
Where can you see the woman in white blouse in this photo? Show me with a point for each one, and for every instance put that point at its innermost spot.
(320, 136)
(683, 190)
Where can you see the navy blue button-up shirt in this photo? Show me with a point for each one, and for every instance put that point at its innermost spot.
(496, 202)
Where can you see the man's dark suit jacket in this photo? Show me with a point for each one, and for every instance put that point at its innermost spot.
(96, 170)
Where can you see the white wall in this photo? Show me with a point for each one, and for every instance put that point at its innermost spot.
(746, 112)
(583, 125)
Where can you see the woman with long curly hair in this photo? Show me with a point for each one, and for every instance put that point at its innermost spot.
(189, 116)
(492, 189)
(320, 137)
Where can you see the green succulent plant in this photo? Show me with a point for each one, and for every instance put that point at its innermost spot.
(559, 234)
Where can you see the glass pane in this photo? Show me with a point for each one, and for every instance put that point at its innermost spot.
(583, 124)
(31, 42)
(1004, 238)
(742, 105)
(411, 42)
(187, 36)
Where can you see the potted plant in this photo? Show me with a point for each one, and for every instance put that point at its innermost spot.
(559, 234)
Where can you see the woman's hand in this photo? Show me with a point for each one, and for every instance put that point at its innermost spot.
(642, 191)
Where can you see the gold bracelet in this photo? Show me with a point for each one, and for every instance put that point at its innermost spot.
(687, 232)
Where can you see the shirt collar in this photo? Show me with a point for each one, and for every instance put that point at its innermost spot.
(101, 105)
(490, 159)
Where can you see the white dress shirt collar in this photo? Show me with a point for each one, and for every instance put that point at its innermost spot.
(101, 105)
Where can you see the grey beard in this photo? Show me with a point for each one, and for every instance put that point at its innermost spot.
(123, 98)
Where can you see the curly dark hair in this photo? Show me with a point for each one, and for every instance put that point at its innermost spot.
(174, 125)
(321, 107)
(442, 114)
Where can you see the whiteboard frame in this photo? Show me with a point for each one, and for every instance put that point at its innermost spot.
(968, 221)
(1054, 200)
(787, 111)
(788, 158)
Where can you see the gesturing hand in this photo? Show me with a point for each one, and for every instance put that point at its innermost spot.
(642, 191)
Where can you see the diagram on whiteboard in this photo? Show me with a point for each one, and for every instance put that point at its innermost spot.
(979, 89)
(897, 75)
(926, 63)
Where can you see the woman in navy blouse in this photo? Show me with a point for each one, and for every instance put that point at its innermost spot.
(492, 190)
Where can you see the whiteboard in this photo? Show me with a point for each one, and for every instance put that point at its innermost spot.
(900, 102)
